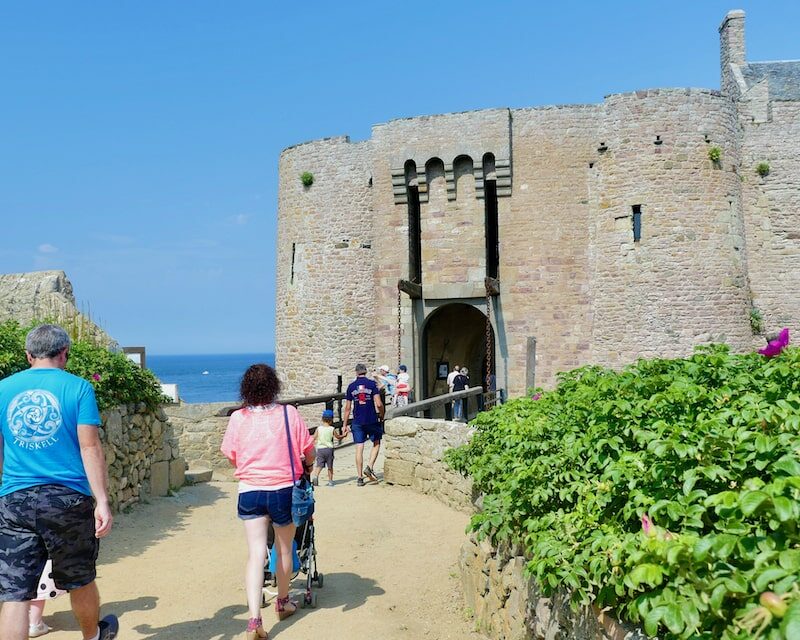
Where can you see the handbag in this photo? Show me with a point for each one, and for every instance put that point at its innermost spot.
(302, 491)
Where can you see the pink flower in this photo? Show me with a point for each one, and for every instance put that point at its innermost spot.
(536, 396)
(96, 377)
(648, 528)
(774, 347)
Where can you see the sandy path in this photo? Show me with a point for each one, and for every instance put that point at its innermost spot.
(172, 569)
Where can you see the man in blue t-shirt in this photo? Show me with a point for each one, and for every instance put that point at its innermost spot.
(364, 399)
(53, 465)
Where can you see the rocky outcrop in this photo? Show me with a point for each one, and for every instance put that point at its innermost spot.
(46, 295)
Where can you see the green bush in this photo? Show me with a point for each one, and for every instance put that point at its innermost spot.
(756, 321)
(715, 154)
(116, 380)
(703, 453)
(762, 169)
(307, 178)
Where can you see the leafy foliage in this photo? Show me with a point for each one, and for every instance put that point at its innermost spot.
(756, 321)
(715, 154)
(307, 178)
(707, 448)
(762, 169)
(115, 378)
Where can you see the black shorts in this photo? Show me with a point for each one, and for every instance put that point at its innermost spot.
(52, 521)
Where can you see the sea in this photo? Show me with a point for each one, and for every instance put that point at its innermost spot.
(206, 378)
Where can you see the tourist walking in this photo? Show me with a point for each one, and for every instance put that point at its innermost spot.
(323, 440)
(452, 376)
(364, 400)
(53, 466)
(403, 388)
(460, 383)
(269, 444)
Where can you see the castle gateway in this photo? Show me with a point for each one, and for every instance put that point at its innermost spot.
(531, 241)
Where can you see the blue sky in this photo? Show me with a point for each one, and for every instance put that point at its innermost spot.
(140, 139)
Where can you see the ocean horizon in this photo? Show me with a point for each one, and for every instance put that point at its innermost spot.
(205, 377)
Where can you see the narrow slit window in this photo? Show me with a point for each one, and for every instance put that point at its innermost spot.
(414, 236)
(492, 230)
(637, 222)
(294, 249)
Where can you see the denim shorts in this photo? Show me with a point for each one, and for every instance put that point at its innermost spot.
(364, 432)
(44, 521)
(275, 505)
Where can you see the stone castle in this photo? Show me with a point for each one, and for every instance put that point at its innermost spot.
(531, 241)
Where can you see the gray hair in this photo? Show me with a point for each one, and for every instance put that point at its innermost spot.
(361, 368)
(464, 371)
(46, 341)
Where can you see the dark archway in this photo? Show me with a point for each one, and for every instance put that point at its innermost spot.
(456, 334)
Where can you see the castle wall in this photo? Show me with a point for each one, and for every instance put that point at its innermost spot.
(772, 213)
(685, 282)
(544, 276)
(325, 265)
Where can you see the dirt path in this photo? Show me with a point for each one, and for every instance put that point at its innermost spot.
(173, 569)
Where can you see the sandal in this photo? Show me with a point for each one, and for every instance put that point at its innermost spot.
(255, 630)
(285, 607)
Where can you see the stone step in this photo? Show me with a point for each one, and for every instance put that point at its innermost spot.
(195, 476)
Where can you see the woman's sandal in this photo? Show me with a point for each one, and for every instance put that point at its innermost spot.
(285, 607)
(255, 630)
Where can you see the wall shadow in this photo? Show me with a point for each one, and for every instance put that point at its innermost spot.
(65, 621)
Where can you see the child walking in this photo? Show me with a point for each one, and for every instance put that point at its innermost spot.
(324, 443)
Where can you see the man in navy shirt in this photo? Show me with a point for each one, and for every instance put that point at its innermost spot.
(364, 399)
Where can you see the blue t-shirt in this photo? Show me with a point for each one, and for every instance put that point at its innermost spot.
(40, 410)
(361, 392)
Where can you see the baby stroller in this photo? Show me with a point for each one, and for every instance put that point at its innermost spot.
(305, 562)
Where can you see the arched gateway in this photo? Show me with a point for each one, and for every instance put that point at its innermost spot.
(454, 334)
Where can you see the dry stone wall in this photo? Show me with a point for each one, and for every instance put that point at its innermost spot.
(198, 430)
(505, 603)
(142, 454)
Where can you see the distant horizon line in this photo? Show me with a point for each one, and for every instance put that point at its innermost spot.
(220, 353)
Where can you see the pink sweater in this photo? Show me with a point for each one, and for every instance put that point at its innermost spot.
(255, 442)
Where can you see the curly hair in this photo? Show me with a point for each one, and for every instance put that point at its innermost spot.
(259, 386)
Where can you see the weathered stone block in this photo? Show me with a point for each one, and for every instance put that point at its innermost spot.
(177, 473)
(159, 478)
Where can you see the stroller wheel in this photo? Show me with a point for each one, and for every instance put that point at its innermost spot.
(263, 600)
(313, 600)
(319, 578)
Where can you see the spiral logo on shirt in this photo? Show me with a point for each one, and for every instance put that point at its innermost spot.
(34, 417)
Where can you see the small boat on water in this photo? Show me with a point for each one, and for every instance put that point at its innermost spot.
(205, 373)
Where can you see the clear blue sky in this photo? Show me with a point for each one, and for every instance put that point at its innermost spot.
(140, 139)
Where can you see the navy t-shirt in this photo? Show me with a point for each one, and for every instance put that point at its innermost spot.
(361, 392)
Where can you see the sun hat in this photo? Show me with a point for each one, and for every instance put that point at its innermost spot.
(384, 368)
(327, 413)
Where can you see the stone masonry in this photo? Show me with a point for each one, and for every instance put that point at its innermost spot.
(198, 431)
(719, 241)
(142, 454)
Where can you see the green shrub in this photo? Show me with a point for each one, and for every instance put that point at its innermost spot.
(756, 321)
(762, 169)
(715, 154)
(707, 448)
(116, 380)
(307, 178)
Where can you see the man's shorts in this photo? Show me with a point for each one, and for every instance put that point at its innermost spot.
(373, 432)
(275, 505)
(52, 521)
(325, 457)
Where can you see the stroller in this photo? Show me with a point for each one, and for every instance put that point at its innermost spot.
(305, 561)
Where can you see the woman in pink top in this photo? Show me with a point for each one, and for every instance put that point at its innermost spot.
(255, 443)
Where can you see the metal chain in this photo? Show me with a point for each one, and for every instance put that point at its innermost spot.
(399, 327)
(488, 340)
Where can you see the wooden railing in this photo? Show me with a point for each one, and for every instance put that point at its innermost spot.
(473, 401)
